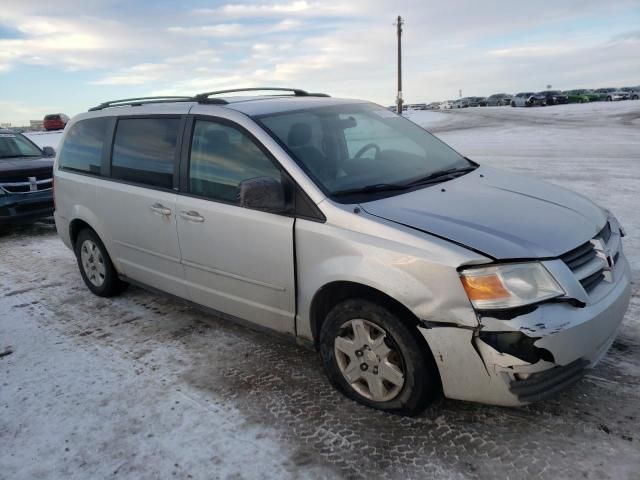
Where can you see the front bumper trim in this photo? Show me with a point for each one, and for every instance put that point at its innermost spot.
(546, 384)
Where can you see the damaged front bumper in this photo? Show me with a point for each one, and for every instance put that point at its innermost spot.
(532, 355)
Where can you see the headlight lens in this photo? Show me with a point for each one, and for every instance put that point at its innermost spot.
(509, 285)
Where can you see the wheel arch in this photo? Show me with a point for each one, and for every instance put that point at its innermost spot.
(338, 291)
(81, 222)
(75, 227)
(335, 292)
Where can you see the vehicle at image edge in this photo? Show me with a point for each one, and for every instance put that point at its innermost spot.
(581, 96)
(26, 176)
(55, 121)
(412, 269)
(612, 94)
(499, 100)
(634, 92)
(528, 99)
(554, 97)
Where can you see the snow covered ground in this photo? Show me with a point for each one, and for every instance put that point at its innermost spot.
(143, 387)
(45, 139)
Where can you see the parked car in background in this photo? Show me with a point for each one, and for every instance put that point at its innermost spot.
(433, 106)
(528, 99)
(461, 103)
(325, 220)
(612, 94)
(499, 100)
(473, 102)
(447, 104)
(26, 179)
(634, 92)
(554, 97)
(55, 121)
(581, 96)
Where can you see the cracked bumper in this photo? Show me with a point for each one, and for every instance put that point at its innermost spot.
(577, 338)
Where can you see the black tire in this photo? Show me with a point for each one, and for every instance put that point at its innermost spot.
(609, 99)
(421, 378)
(513, 104)
(111, 285)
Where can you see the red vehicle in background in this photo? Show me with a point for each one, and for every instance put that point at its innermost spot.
(55, 121)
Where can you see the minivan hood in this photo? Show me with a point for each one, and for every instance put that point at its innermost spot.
(500, 214)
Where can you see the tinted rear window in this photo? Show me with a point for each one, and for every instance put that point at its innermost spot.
(82, 147)
(144, 151)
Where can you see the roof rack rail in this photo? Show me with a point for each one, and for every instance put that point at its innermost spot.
(137, 101)
(200, 98)
(204, 97)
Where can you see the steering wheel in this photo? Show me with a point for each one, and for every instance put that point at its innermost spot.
(368, 146)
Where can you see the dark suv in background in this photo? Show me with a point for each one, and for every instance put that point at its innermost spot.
(554, 97)
(26, 179)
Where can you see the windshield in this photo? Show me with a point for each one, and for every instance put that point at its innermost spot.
(15, 145)
(357, 146)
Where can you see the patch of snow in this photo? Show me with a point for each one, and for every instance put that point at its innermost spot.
(45, 139)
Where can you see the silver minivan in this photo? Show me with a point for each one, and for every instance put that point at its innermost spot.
(412, 269)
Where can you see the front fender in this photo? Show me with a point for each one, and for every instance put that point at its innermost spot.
(423, 279)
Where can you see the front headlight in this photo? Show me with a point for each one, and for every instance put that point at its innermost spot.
(509, 285)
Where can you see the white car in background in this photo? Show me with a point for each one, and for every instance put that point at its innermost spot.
(446, 105)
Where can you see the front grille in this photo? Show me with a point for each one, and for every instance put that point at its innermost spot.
(36, 183)
(592, 281)
(579, 256)
(585, 262)
(605, 233)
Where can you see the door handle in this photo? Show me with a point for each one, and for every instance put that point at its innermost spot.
(192, 216)
(160, 209)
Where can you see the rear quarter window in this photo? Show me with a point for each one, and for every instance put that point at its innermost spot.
(82, 147)
(144, 151)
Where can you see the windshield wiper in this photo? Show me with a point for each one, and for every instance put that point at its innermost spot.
(378, 187)
(441, 175)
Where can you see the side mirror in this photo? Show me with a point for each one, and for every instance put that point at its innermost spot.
(49, 151)
(263, 193)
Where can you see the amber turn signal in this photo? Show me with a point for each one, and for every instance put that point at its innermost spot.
(484, 287)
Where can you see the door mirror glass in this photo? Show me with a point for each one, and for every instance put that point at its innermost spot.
(49, 151)
(263, 193)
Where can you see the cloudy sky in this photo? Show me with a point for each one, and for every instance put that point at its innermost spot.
(69, 55)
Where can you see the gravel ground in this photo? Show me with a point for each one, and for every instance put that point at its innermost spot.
(145, 387)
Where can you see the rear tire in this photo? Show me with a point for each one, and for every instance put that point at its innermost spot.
(374, 358)
(95, 265)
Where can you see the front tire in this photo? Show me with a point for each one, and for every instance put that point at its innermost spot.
(95, 265)
(374, 358)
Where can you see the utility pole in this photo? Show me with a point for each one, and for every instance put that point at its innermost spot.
(399, 24)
